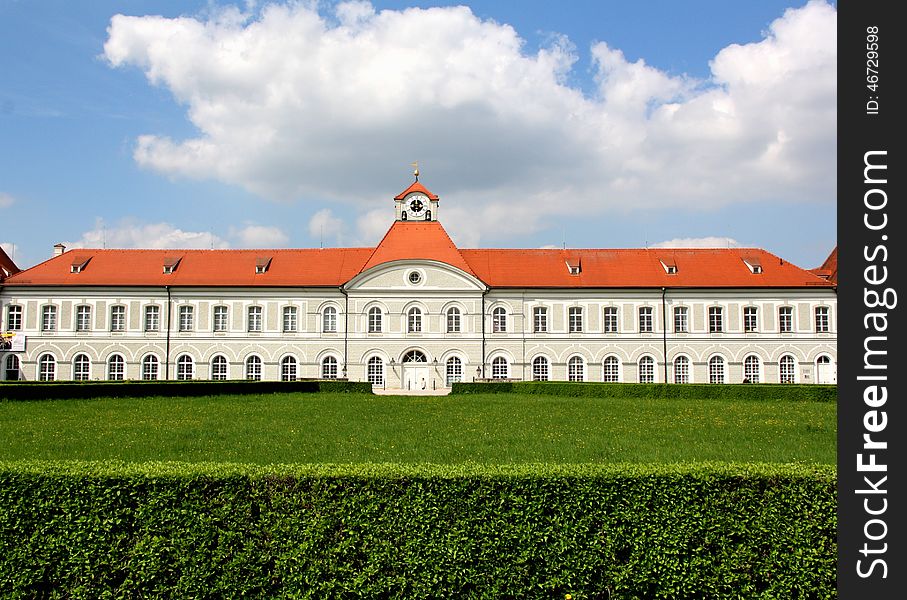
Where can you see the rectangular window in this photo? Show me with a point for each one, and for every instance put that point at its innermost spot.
(118, 318)
(749, 319)
(49, 318)
(254, 318)
(822, 325)
(716, 322)
(540, 319)
(187, 317)
(645, 319)
(575, 319)
(14, 318)
(453, 320)
(83, 318)
(681, 319)
(499, 321)
(611, 319)
(290, 319)
(786, 319)
(152, 318)
(220, 318)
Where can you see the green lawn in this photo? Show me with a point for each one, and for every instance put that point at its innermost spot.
(351, 428)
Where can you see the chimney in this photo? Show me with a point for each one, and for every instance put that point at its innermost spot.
(59, 249)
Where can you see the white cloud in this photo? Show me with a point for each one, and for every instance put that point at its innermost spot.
(324, 225)
(6, 200)
(259, 236)
(702, 242)
(292, 104)
(130, 233)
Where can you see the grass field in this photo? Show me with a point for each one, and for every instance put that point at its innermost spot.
(351, 428)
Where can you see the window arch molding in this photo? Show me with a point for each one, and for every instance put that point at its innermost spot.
(115, 366)
(540, 367)
(753, 368)
(682, 368)
(47, 367)
(612, 368)
(788, 368)
(219, 367)
(577, 368)
(646, 368)
(717, 365)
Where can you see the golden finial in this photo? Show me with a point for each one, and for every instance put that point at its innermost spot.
(415, 165)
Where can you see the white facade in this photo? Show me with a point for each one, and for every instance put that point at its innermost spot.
(411, 323)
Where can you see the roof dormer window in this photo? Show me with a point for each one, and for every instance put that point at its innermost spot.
(78, 264)
(261, 264)
(171, 263)
(574, 266)
(668, 265)
(753, 264)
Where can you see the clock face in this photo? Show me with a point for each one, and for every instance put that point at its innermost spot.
(417, 204)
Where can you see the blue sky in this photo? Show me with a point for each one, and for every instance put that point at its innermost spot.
(602, 124)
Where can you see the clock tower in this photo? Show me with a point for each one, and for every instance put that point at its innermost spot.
(416, 203)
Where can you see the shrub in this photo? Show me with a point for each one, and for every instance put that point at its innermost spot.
(89, 530)
(35, 390)
(758, 391)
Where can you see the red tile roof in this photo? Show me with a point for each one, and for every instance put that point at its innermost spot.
(829, 269)
(498, 268)
(629, 268)
(307, 267)
(415, 187)
(417, 240)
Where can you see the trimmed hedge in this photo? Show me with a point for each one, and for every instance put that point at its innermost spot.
(35, 390)
(90, 530)
(756, 391)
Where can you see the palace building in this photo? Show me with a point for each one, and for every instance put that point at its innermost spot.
(416, 311)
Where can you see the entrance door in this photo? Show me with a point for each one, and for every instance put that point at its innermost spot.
(825, 371)
(415, 371)
(415, 377)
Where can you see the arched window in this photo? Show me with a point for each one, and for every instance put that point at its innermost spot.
(375, 318)
(716, 369)
(375, 370)
(787, 369)
(576, 369)
(219, 368)
(499, 320)
(681, 369)
(12, 368)
(453, 320)
(185, 368)
(499, 368)
(454, 370)
(329, 367)
(646, 369)
(611, 370)
(150, 366)
(47, 368)
(414, 320)
(116, 367)
(81, 367)
(329, 320)
(288, 367)
(751, 368)
(414, 356)
(540, 368)
(253, 368)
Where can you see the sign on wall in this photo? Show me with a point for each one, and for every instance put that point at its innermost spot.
(12, 342)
